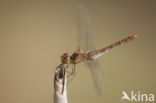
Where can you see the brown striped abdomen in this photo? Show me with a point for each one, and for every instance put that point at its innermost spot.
(98, 53)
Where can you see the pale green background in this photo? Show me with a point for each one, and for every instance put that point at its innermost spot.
(34, 34)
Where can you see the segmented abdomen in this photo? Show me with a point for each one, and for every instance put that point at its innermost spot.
(98, 53)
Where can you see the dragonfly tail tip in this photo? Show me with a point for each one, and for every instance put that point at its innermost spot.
(135, 36)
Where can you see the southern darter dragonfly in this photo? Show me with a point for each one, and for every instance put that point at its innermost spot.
(86, 50)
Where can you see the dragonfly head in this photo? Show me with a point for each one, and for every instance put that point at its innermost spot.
(65, 58)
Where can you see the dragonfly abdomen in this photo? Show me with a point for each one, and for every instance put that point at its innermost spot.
(98, 53)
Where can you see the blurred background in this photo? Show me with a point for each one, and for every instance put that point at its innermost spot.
(34, 34)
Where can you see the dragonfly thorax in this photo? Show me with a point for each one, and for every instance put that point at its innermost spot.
(78, 57)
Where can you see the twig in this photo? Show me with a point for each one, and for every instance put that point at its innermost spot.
(60, 90)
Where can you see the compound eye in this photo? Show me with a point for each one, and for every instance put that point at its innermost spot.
(65, 58)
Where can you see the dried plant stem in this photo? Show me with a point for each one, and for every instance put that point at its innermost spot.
(60, 90)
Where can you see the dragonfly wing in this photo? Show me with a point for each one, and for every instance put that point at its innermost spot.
(97, 75)
(85, 42)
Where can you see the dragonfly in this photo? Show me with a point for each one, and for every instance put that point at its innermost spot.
(86, 51)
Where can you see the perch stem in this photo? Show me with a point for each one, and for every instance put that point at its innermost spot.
(60, 90)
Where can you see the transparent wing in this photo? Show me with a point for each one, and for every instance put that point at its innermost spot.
(97, 75)
(85, 42)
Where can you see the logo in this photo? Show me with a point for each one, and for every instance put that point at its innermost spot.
(137, 96)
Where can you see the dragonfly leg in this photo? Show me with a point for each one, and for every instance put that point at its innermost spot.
(73, 69)
(73, 73)
(69, 71)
